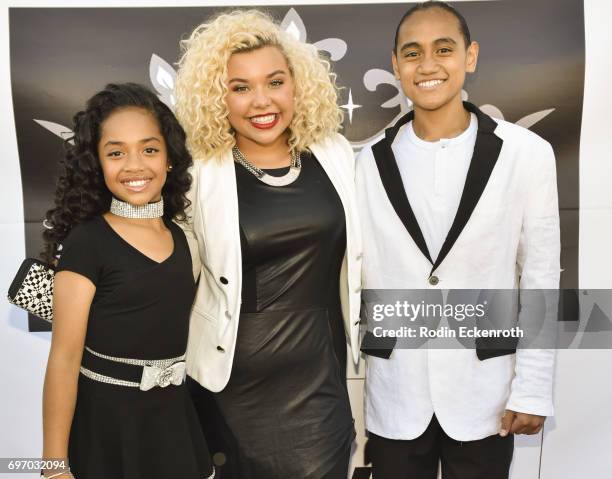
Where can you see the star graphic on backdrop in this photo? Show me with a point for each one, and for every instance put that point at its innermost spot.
(350, 106)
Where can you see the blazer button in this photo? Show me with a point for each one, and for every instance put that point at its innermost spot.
(433, 280)
(223, 280)
(220, 349)
(228, 315)
(359, 256)
(358, 289)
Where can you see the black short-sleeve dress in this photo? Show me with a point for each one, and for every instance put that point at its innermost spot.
(140, 311)
(285, 413)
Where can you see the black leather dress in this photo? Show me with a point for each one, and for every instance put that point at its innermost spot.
(285, 412)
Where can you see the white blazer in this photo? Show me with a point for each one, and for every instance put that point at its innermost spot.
(213, 233)
(506, 228)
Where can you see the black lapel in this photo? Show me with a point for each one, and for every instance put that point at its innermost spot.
(392, 181)
(486, 151)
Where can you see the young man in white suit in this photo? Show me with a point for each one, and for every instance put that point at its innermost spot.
(452, 199)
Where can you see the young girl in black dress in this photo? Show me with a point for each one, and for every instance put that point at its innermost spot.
(115, 404)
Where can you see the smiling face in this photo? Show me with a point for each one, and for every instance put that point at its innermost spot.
(260, 97)
(133, 156)
(431, 59)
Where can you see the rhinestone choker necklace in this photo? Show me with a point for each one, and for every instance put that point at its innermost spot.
(286, 179)
(126, 210)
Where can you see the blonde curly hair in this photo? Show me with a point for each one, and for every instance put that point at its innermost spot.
(201, 82)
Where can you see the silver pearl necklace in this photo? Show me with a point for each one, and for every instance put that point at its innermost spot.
(126, 210)
(286, 179)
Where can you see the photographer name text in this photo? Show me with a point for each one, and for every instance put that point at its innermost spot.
(446, 332)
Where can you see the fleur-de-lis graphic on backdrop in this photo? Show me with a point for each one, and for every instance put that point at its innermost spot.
(526, 122)
(294, 25)
(376, 76)
(163, 76)
(163, 79)
(60, 130)
(335, 47)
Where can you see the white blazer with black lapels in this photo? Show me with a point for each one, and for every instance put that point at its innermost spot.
(505, 235)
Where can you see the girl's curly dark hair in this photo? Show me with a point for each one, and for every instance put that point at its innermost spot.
(81, 192)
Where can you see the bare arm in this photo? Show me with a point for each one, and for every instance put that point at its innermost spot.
(72, 297)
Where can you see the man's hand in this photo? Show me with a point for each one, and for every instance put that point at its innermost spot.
(520, 423)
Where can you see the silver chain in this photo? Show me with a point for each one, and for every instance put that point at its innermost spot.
(294, 169)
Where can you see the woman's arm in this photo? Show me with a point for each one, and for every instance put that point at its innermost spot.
(72, 297)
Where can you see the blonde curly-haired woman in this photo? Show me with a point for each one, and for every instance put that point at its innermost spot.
(274, 227)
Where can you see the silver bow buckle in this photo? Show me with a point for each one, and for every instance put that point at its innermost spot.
(153, 376)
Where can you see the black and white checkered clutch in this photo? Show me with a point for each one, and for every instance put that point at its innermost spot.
(32, 288)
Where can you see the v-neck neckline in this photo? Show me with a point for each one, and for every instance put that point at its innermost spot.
(133, 248)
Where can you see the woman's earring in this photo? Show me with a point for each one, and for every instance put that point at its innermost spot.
(169, 169)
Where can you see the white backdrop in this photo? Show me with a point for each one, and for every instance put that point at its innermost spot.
(575, 443)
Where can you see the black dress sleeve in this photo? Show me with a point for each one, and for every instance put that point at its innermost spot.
(79, 253)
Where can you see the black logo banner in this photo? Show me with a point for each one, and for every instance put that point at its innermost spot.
(530, 72)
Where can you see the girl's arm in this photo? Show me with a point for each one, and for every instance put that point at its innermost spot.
(72, 297)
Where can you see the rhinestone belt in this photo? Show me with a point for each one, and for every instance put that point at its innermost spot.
(155, 372)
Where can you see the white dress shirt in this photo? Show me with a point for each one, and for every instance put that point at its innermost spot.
(434, 174)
